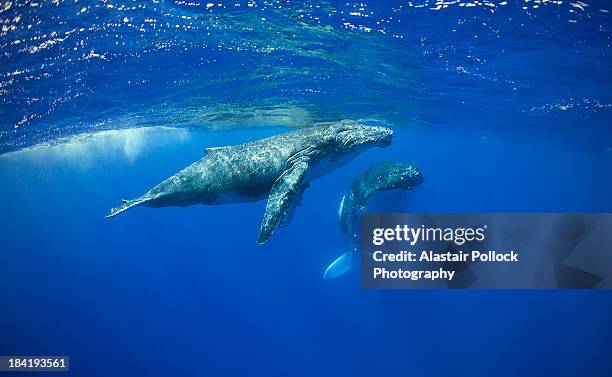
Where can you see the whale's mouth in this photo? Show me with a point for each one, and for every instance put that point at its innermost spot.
(386, 137)
(387, 141)
(364, 136)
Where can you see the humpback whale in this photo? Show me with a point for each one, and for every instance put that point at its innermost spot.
(381, 176)
(277, 167)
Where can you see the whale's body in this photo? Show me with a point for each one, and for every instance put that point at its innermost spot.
(278, 167)
(384, 175)
(381, 176)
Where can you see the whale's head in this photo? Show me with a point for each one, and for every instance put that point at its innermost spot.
(354, 137)
(402, 175)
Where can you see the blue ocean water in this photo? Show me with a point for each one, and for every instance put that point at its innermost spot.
(504, 106)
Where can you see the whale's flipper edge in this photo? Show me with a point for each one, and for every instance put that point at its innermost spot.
(127, 204)
(284, 196)
(338, 267)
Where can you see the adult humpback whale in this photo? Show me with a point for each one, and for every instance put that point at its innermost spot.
(381, 176)
(279, 167)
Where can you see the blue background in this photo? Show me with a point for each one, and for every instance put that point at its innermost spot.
(187, 291)
(503, 108)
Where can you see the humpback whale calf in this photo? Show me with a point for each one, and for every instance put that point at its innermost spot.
(278, 167)
(381, 176)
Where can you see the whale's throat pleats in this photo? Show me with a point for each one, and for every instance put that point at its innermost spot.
(327, 165)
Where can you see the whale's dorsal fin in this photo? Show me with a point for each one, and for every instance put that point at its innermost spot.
(214, 149)
(284, 196)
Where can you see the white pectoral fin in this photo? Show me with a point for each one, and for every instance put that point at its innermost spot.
(339, 266)
(284, 196)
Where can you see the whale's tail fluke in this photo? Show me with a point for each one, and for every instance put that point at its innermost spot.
(341, 265)
(127, 204)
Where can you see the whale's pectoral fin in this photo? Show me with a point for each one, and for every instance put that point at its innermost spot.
(339, 266)
(284, 196)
